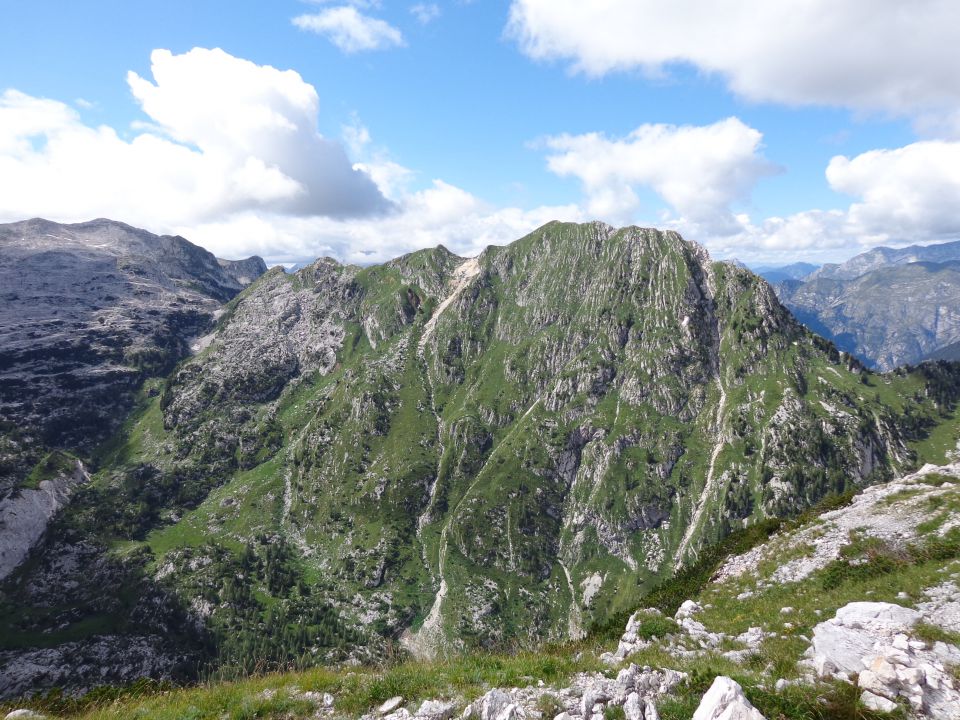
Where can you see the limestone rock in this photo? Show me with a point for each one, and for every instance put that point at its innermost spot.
(872, 642)
(436, 710)
(725, 701)
(390, 705)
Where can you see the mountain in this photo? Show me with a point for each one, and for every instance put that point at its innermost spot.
(898, 313)
(449, 453)
(883, 257)
(797, 611)
(243, 272)
(88, 312)
(795, 271)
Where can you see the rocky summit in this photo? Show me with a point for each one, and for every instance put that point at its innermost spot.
(87, 311)
(439, 455)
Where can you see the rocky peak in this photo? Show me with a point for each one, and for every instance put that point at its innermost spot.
(89, 310)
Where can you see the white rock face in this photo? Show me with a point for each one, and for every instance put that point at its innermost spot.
(844, 641)
(687, 609)
(24, 516)
(868, 514)
(725, 701)
(873, 642)
(635, 689)
(390, 705)
(436, 710)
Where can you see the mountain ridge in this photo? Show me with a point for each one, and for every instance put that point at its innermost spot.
(344, 464)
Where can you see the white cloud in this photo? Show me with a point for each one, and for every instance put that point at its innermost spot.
(441, 214)
(425, 13)
(877, 55)
(224, 135)
(698, 170)
(230, 158)
(350, 30)
(903, 196)
(911, 192)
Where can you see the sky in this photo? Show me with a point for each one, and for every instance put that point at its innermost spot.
(767, 131)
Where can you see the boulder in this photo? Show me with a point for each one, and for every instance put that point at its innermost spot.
(436, 710)
(687, 609)
(390, 705)
(725, 701)
(839, 645)
(871, 641)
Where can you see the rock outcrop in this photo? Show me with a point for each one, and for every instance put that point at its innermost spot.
(25, 513)
(725, 701)
(87, 311)
(874, 643)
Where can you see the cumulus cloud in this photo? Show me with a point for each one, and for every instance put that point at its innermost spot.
(351, 30)
(230, 157)
(877, 55)
(698, 170)
(902, 196)
(225, 135)
(907, 192)
(440, 214)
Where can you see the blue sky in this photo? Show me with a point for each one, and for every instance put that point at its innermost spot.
(472, 122)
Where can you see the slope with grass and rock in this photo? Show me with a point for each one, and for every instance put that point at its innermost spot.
(446, 455)
(852, 610)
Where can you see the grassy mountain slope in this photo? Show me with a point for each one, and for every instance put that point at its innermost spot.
(777, 581)
(453, 454)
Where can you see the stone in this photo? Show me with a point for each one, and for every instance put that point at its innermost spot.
(493, 704)
(845, 640)
(725, 701)
(868, 680)
(511, 712)
(877, 703)
(592, 696)
(633, 707)
(688, 608)
(390, 705)
(24, 714)
(436, 710)
(627, 676)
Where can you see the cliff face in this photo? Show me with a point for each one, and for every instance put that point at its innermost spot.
(88, 311)
(888, 307)
(459, 453)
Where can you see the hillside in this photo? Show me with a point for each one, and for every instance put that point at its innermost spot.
(886, 307)
(452, 454)
(852, 610)
(88, 312)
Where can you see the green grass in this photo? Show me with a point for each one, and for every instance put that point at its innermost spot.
(931, 633)
(357, 691)
(53, 465)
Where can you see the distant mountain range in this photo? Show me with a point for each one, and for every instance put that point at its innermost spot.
(795, 271)
(887, 306)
